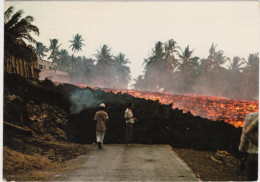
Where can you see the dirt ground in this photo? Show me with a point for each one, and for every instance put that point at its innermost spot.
(207, 165)
(212, 166)
(36, 158)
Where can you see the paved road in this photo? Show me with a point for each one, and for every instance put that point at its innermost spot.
(136, 163)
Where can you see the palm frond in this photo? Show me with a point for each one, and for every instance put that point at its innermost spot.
(8, 13)
(14, 19)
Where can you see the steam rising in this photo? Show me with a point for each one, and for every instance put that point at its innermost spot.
(83, 99)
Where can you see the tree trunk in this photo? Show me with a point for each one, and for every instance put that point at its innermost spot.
(14, 65)
(17, 66)
(20, 67)
(34, 67)
(29, 70)
(24, 68)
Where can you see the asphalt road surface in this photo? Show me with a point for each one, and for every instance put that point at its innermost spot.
(121, 163)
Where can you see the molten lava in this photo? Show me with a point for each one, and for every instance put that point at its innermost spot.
(215, 108)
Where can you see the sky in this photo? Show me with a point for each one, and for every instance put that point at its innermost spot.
(133, 28)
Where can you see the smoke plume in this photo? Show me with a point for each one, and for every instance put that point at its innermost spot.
(83, 99)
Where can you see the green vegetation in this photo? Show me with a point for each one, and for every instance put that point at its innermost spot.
(169, 67)
(19, 56)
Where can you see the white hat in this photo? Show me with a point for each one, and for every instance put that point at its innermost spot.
(102, 105)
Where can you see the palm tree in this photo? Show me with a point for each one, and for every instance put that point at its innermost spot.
(253, 62)
(171, 62)
(54, 48)
(236, 64)
(210, 60)
(219, 60)
(251, 77)
(63, 62)
(77, 43)
(105, 67)
(213, 65)
(157, 56)
(188, 62)
(188, 70)
(154, 66)
(18, 29)
(89, 70)
(77, 70)
(19, 57)
(122, 71)
(138, 85)
(103, 55)
(40, 50)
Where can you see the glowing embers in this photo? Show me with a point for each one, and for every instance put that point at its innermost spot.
(215, 108)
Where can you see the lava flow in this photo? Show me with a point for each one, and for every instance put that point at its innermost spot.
(215, 108)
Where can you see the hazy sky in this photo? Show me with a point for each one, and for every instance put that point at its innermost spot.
(134, 27)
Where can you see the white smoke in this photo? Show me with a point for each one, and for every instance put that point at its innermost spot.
(83, 99)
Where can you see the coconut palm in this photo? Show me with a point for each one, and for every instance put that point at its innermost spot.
(219, 60)
(154, 67)
(18, 29)
(157, 56)
(63, 62)
(170, 49)
(236, 64)
(40, 50)
(77, 69)
(77, 43)
(251, 77)
(104, 57)
(188, 74)
(105, 67)
(89, 70)
(210, 60)
(214, 64)
(138, 85)
(187, 61)
(19, 57)
(253, 62)
(54, 48)
(122, 71)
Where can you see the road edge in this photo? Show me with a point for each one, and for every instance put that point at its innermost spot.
(185, 165)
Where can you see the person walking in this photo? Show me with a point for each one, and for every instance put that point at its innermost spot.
(101, 117)
(129, 124)
(249, 145)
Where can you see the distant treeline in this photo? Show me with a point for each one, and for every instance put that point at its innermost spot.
(169, 67)
(172, 69)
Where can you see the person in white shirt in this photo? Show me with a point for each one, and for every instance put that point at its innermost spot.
(129, 124)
